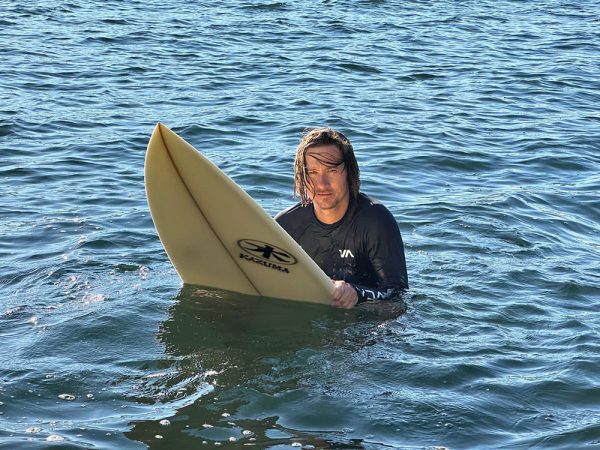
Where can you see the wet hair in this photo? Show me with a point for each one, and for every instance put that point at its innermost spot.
(318, 137)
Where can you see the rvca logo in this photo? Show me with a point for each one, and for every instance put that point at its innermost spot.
(346, 254)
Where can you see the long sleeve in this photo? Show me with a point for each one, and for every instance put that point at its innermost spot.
(386, 253)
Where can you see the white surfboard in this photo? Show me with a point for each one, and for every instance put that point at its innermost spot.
(216, 235)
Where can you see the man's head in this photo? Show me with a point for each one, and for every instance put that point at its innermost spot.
(325, 164)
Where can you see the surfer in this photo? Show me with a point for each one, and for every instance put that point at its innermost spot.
(354, 239)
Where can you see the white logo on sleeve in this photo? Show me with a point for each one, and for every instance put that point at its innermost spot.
(346, 253)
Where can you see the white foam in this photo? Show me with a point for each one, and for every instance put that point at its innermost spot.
(55, 438)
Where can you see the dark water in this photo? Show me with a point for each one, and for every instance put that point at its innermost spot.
(475, 122)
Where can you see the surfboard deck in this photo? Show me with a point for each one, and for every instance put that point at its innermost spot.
(216, 235)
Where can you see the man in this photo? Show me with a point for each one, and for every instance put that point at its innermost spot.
(354, 239)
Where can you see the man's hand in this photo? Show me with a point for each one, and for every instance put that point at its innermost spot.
(344, 295)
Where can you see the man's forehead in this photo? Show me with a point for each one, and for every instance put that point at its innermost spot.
(325, 154)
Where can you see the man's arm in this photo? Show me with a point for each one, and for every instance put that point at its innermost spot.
(347, 295)
(386, 254)
(385, 251)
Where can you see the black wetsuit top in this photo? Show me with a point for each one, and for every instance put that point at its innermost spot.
(364, 248)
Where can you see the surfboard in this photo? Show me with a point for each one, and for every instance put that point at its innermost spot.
(216, 235)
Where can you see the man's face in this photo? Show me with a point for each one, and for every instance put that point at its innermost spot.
(328, 182)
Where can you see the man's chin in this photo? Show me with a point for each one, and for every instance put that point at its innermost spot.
(326, 201)
(325, 207)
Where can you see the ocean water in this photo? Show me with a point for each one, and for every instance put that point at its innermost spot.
(476, 122)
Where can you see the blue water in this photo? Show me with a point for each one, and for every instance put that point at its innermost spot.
(477, 124)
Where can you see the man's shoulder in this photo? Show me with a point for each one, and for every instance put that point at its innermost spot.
(374, 217)
(372, 208)
(292, 213)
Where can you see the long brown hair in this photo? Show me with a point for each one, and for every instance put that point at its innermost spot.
(318, 137)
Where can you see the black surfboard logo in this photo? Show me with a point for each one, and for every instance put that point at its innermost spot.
(266, 252)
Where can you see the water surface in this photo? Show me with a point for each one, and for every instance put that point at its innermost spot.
(476, 123)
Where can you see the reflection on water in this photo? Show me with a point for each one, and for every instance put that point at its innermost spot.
(238, 360)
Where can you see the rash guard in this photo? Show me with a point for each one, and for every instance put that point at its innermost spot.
(364, 248)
